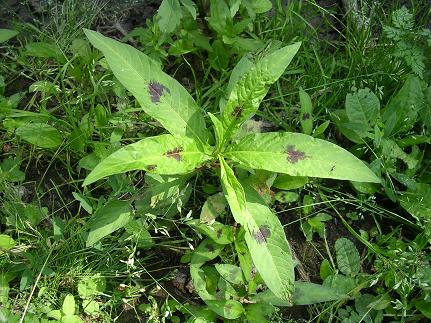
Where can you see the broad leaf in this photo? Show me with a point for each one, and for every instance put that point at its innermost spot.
(299, 155)
(403, 109)
(363, 108)
(268, 246)
(348, 259)
(306, 293)
(231, 273)
(249, 91)
(111, 217)
(162, 154)
(40, 134)
(6, 242)
(68, 305)
(162, 195)
(169, 15)
(264, 235)
(160, 95)
(218, 232)
(229, 309)
(417, 201)
(6, 34)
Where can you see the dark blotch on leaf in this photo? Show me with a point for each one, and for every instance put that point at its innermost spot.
(293, 156)
(156, 91)
(219, 233)
(262, 234)
(210, 248)
(236, 113)
(151, 167)
(305, 116)
(174, 153)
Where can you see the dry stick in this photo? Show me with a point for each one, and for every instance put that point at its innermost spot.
(21, 320)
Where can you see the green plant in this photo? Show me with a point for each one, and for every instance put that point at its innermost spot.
(187, 148)
(218, 29)
(409, 43)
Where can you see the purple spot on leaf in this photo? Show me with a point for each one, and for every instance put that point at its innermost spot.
(156, 91)
(210, 248)
(293, 156)
(305, 116)
(262, 234)
(175, 153)
(236, 113)
(151, 167)
(219, 233)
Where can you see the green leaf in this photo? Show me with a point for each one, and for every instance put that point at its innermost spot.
(6, 34)
(91, 307)
(306, 112)
(348, 260)
(206, 251)
(68, 305)
(109, 218)
(199, 280)
(402, 111)
(306, 293)
(162, 154)
(325, 269)
(218, 130)
(90, 286)
(417, 201)
(287, 182)
(40, 134)
(83, 202)
(249, 91)
(160, 95)
(190, 6)
(229, 309)
(424, 307)
(45, 50)
(259, 6)
(6, 242)
(264, 235)
(169, 15)
(259, 312)
(163, 194)
(213, 207)
(139, 233)
(218, 232)
(234, 193)
(231, 273)
(299, 155)
(363, 107)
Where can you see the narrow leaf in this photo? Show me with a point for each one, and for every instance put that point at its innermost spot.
(249, 91)
(162, 154)
(160, 95)
(299, 155)
(264, 234)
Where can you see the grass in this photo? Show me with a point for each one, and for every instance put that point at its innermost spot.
(46, 210)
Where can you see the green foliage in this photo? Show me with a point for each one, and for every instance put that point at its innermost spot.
(263, 232)
(409, 42)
